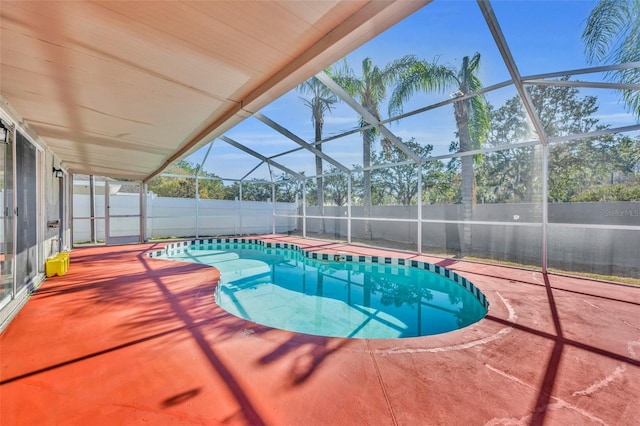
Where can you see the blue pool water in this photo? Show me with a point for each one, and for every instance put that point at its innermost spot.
(283, 289)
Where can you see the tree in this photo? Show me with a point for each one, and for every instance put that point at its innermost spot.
(439, 185)
(185, 187)
(370, 89)
(603, 193)
(576, 167)
(256, 190)
(624, 154)
(613, 170)
(260, 190)
(320, 101)
(612, 34)
(504, 175)
(471, 114)
(399, 184)
(337, 186)
(287, 189)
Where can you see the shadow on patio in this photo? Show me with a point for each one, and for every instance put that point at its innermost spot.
(127, 339)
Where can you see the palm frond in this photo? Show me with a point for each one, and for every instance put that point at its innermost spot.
(421, 76)
(480, 121)
(612, 34)
(397, 68)
(605, 23)
(468, 73)
(320, 101)
(344, 77)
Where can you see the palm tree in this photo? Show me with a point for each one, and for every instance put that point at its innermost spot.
(370, 89)
(320, 101)
(612, 34)
(471, 114)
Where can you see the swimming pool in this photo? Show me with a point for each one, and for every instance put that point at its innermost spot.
(282, 286)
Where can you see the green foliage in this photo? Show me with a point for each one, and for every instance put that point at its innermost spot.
(399, 185)
(215, 189)
(504, 176)
(185, 187)
(442, 185)
(603, 193)
(582, 166)
(605, 168)
(612, 35)
(472, 117)
(256, 190)
(336, 187)
(370, 90)
(563, 111)
(286, 190)
(320, 101)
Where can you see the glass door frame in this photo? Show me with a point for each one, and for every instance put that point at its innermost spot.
(8, 214)
(122, 239)
(27, 262)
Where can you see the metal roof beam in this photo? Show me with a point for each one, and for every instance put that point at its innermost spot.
(604, 68)
(201, 165)
(251, 171)
(503, 47)
(590, 84)
(366, 115)
(261, 157)
(595, 133)
(278, 128)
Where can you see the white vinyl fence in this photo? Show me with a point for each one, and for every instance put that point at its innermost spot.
(179, 217)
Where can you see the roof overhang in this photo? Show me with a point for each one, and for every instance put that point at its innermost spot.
(123, 89)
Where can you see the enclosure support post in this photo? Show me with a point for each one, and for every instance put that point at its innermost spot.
(237, 223)
(419, 237)
(143, 212)
(240, 209)
(304, 208)
(107, 207)
(92, 207)
(349, 208)
(197, 208)
(200, 167)
(273, 208)
(545, 204)
(70, 213)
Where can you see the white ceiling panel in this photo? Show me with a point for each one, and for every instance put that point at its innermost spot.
(123, 88)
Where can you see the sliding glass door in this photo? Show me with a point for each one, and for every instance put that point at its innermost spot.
(6, 212)
(26, 262)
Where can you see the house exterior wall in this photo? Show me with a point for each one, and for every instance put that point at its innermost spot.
(23, 270)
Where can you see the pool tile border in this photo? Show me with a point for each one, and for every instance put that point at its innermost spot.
(172, 248)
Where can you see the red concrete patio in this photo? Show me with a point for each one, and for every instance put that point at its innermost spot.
(124, 339)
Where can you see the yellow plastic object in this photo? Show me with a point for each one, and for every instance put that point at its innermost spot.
(55, 266)
(64, 255)
(58, 264)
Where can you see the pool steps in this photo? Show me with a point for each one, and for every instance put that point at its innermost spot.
(339, 257)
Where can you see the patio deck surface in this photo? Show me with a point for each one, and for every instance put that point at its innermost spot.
(124, 339)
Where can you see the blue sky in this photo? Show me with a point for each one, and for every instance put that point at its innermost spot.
(544, 36)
